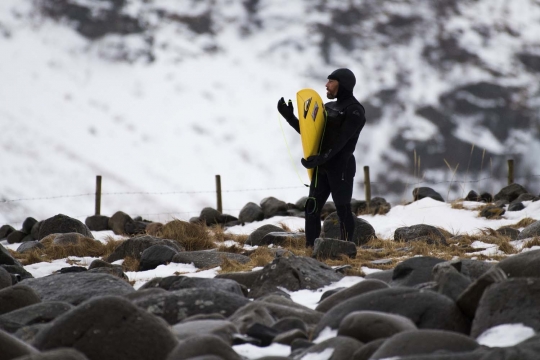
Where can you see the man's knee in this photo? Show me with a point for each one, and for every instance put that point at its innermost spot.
(312, 208)
(344, 211)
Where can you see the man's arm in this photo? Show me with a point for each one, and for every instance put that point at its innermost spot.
(287, 111)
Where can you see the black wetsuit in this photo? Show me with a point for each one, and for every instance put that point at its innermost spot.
(335, 174)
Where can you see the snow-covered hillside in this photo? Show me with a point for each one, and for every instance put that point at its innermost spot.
(159, 96)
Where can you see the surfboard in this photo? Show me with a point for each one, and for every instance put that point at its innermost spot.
(312, 118)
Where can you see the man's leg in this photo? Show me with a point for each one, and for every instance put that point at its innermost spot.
(342, 189)
(319, 191)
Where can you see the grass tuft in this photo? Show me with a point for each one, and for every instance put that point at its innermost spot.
(522, 223)
(533, 242)
(130, 264)
(191, 236)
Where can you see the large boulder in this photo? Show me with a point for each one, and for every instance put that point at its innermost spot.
(223, 329)
(97, 222)
(204, 347)
(513, 301)
(109, 328)
(333, 249)
(5, 278)
(16, 236)
(172, 283)
(12, 265)
(363, 231)
(28, 224)
(531, 230)
(273, 207)
(63, 224)
(425, 233)
(424, 192)
(357, 289)
(293, 273)
(117, 222)
(39, 313)
(16, 297)
(367, 326)
(5, 230)
(256, 237)
(135, 246)
(156, 255)
(75, 288)
(207, 258)
(251, 212)
(13, 348)
(427, 309)
(526, 264)
(175, 306)
(414, 271)
(510, 193)
(56, 354)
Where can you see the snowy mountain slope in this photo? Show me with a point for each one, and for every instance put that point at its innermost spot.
(159, 96)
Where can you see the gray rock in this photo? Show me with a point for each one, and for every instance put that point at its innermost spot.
(28, 224)
(510, 193)
(173, 283)
(135, 228)
(427, 309)
(156, 255)
(109, 327)
(450, 281)
(525, 197)
(344, 348)
(286, 338)
(256, 237)
(97, 222)
(37, 313)
(273, 207)
(530, 231)
(221, 328)
(16, 236)
(135, 246)
(526, 264)
(56, 354)
(414, 271)
(75, 288)
(363, 231)
(30, 246)
(506, 303)
(203, 345)
(328, 208)
(289, 323)
(5, 278)
(293, 273)
(60, 224)
(301, 203)
(357, 289)
(251, 212)
(281, 238)
(366, 326)
(424, 342)
(333, 249)
(12, 265)
(13, 347)
(35, 230)
(210, 216)
(5, 230)
(243, 278)
(509, 232)
(113, 270)
(16, 297)
(175, 306)
(383, 275)
(491, 212)
(366, 351)
(426, 233)
(424, 192)
(118, 221)
(516, 206)
(207, 259)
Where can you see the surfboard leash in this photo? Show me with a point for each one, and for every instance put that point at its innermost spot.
(289, 151)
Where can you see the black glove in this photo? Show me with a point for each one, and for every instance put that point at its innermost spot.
(286, 110)
(311, 162)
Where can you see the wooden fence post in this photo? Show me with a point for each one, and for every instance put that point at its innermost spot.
(98, 195)
(510, 171)
(367, 186)
(218, 194)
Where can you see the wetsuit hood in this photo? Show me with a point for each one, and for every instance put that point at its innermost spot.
(346, 80)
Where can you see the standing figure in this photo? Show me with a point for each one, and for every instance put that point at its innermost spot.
(335, 166)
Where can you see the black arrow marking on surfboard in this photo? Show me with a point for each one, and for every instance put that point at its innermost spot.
(306, 107)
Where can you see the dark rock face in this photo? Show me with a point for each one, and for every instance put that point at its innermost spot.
(134, 247)
(424, 192)
(117, 222)
(5, 278)
(243, 278)
(516, 206)
(57, 354)
(38, 313)
(526, 264)
(510, 193)
(97, 222)
(16, 297)
(363, 231)
(13, 348)
(366, 326)
(257, 236)
(414, 271)
(211, 216)
(27, 225)
(172, 283)
(273, 207)
(156, 255)
(207, 259)
(450, 281)
(251, 212)
(63, 224)
(16, 236)
(424, 342)
(175, 306)
(12, 265)
(293, 273)
(352, 291)
(135, 228)
(530, 231)
(109, 327)
(221, 328)
(509, 232)
(202, 346)
(508, 302)
(333, 249)
(426, 233)
(427, 309)
(75, 288)
(5, 230)
(29, 246)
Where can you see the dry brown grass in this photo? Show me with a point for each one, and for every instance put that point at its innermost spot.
(285, 227)
(130, 264)
(235, 249)
(522, 223)
(533, 242)
(190, 236)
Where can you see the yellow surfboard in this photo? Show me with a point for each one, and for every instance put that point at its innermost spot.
(312, 118)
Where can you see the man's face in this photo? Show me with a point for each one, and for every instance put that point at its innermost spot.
(332, 87)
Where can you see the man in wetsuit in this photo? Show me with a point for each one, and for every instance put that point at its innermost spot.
(335, 166)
